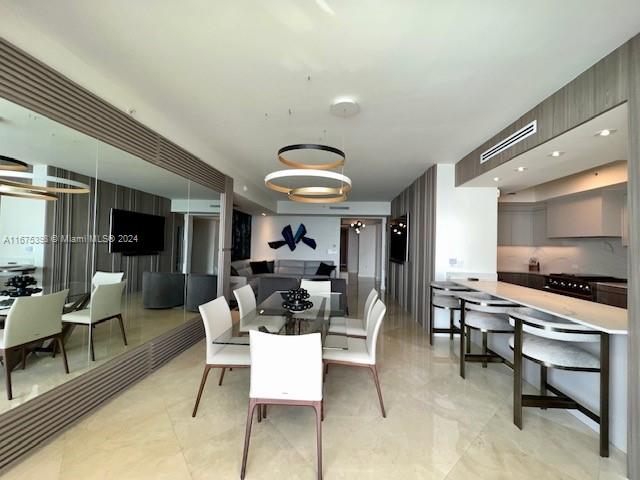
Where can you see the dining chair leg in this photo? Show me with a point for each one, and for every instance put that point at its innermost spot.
(7, 375)
(23, 357)
(264, 411)
(54, 348)
(322, 410)
(124, 335)
(484, 347)
(205, 374)
(259, 413)
(221, 376)
(60, 343)
(374, 371)
(93, 354)
(318, 408)
(247, 436)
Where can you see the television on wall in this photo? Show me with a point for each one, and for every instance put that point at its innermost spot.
(399, 239)
(133, 233)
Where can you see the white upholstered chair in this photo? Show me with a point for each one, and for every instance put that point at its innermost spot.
(355, 327)
(285, 370)
(316, 287)
(247, 306)
(553, 342)
(361, 352)
(216, 318)
(106, 278)
(105, 304)
(32, 319)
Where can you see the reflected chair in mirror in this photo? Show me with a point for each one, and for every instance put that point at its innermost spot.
(316, 287)
(216, 317)
(99, 278)
(285, 370)
(551, 342)
(32, 320)
(105, 304)
(355, 327)
(247, 307)
(361, 352)
(488, 315)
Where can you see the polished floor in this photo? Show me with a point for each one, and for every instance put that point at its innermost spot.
(438, 426)
(43, 373)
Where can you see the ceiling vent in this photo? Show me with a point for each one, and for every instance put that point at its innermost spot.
(338, 208)
(510, 141)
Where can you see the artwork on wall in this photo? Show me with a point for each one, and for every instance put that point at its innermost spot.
(241, 236)
(292, 240)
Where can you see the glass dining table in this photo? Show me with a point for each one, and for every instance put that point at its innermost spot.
(271, 316)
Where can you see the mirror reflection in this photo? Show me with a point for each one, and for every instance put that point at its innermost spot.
(100, 252)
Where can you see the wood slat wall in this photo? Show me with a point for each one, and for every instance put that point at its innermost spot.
(408, 283)
(612, 81)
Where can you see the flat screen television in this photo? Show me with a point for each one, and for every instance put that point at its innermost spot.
(399, 239)
(133, 233)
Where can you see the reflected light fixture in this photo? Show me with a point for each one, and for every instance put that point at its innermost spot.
(12, 169)
(358, 226)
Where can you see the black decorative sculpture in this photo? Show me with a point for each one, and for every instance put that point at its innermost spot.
(20, 286)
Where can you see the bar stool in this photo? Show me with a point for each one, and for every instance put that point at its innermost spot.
(480, 311)
(549, 341)
(444, 295)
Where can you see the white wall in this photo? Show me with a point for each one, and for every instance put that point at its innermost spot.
(344, 209)
(324, 230)
(367, 251)
(466, 227)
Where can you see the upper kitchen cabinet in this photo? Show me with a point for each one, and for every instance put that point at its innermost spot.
(590, 214)
(520, 224)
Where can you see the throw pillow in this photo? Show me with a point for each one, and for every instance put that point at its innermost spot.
(271, 266)
(259, 267)
(325, 269)
(234, 272)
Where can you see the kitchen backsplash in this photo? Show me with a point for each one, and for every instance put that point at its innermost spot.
(596, 256)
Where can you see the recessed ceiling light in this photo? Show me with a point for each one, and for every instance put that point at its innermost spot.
(263, 214)
(606, 132)
(496, 179)
(556, 153)
(521, 169)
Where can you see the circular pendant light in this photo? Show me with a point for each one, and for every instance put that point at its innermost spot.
(317, 195)
(312, 146)
(11, 164)
(310, 194)
(26, 193)
(72, 186)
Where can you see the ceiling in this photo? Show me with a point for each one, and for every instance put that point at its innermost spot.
(434, 78)
(581, 150)
(37, 140)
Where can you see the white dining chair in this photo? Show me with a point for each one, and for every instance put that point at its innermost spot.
(247, 306)
(361, 352)
(105, 304)
(106, 278)
(316, 287)
(216, 317)
(355, 327)
(285, 370)
(32, 319)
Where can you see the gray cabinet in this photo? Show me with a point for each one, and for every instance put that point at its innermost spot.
(517, 225)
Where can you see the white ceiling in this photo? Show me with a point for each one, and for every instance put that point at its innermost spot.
(434, 78)
(582, 148)
(37, 140)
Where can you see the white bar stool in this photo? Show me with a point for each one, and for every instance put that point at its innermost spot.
(480, 311)
(550, 341)
(444, 295)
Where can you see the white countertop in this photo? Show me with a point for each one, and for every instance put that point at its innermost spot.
(601, 317)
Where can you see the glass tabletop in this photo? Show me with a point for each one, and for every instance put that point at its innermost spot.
(324, 317)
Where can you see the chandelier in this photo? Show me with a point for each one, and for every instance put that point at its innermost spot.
(340, 184)
(10, 168)
(358, 226)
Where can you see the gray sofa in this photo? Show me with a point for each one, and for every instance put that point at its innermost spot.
(297, 269)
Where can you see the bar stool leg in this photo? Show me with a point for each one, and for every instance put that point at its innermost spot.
(468, 340)
(484, 347)
(451, 314)
(463, 340)
(431, 313)
(543, 382)
(604, 395)
(517, 374)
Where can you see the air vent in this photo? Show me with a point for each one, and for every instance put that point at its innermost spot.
(510, 141)
(338, 208)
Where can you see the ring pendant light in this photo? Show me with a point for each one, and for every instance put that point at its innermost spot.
(26, 193)
(10, 164)
(73, 186)
(312, 146)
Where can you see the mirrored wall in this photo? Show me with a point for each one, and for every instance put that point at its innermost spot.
(100, 252)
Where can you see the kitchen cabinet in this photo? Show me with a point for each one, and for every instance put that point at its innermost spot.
(522, 224)
(589, 214)
(524, 279)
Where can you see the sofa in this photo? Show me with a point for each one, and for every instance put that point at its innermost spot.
(297, 269)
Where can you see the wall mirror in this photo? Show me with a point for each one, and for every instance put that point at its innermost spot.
(100, 252)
